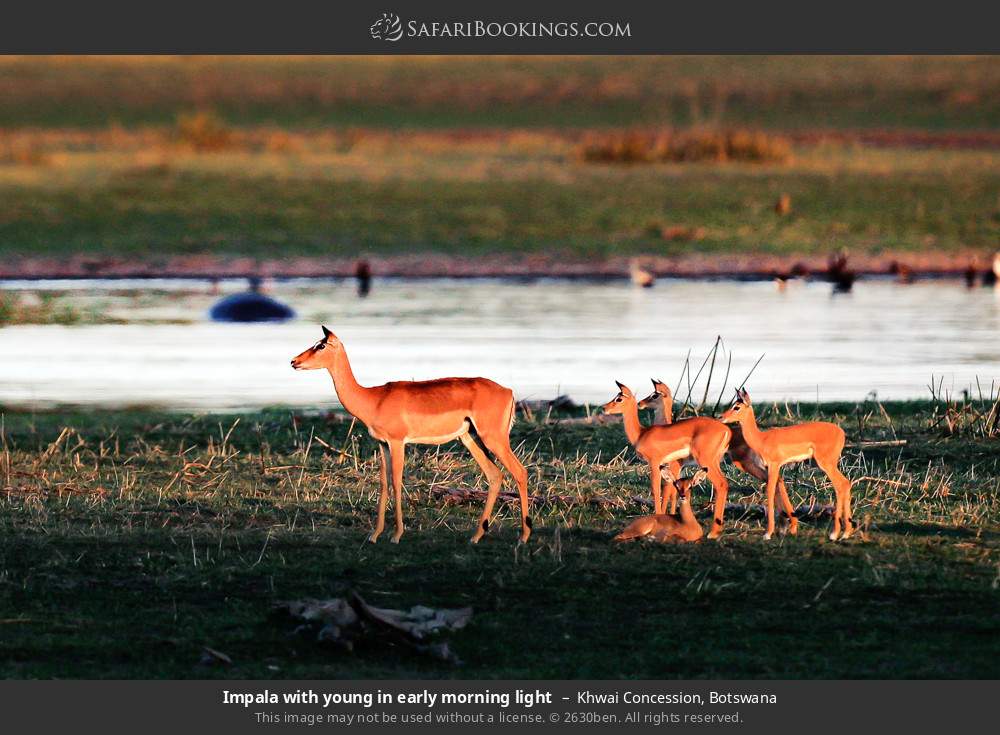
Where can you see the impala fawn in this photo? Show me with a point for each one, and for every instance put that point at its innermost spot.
(477, 411)
(702, 438)
(818, 440)
(670, 527)
(746, 459)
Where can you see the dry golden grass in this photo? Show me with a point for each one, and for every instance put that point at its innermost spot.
(685, 147)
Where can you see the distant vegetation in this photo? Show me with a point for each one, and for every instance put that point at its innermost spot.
(777, 92)
(269, 157)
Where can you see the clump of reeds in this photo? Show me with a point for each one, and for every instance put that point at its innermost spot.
(974, 413)
(637, 146)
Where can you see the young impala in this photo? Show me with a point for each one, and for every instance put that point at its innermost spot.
(476, 411)
(747, 460)
(673, 526)
(818, 440)
(702, 438)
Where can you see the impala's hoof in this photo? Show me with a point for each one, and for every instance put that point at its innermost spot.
(372, 538)
(475, 539)
(395, 539)
(767, 537)
(833, 536)
(793, 526)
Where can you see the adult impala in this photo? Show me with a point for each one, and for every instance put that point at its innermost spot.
(661, 400)
(476, 411)
(703, 439)
(819, 440)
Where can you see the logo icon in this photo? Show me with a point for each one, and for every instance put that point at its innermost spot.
(387, 28)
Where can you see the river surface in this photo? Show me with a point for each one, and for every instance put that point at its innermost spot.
(542, 338)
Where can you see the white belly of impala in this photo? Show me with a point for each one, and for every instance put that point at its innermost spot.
(799, 457)
(678, 455)
(436, 439)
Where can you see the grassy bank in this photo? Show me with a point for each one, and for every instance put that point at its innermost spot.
(131, 540)
(503, 195)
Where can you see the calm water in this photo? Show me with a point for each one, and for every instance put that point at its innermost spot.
(542, 339)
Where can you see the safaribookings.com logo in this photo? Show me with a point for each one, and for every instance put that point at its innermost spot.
(390, 28)
(387, 28)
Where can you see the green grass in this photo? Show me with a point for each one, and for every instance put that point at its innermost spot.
(130, 540)
(927, 201)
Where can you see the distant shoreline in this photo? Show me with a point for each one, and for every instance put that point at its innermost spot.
(749, 266)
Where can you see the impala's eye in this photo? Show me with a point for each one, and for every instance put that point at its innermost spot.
(321, 345)
(618, 399)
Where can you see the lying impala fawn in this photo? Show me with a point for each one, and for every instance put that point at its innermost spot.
(702, 438)
(670, 527)
(818, 440)
(477, 411)
(661, 400)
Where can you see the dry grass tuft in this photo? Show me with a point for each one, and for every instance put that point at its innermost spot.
(636, 146)
(203, 131)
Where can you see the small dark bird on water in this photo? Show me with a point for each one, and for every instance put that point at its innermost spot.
(838, 273)
(782, 278)
(971, 275)
(363, 275)
(903, 272)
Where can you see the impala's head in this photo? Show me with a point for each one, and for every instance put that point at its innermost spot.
(320, 355)
(740, 410)
(660, 393)
(621, 401)
(689, 482)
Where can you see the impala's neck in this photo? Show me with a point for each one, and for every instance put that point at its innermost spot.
(662, 413)
(752, 434)
(356, 399)
(665, 413)
(630, 414)
(684, 506)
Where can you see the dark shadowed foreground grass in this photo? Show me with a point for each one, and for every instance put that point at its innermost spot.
(131, 540)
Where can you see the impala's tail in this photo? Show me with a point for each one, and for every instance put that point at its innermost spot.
(513, 413)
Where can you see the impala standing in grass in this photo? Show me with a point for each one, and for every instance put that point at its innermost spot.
(661, 400)
(476, 411)
(703, 439)
(819, 440)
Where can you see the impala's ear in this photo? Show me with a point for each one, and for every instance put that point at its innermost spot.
(327, 333)
(623, 388)
(744, 395)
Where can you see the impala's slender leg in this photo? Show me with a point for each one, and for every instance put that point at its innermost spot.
(720, 486)
(383, 495)
(842, 488)
(494, 478)
(396, 451)
(773, 475)
(654, 482)
(499, 444)
(786, 502)
(674, 468)
(755, 470)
